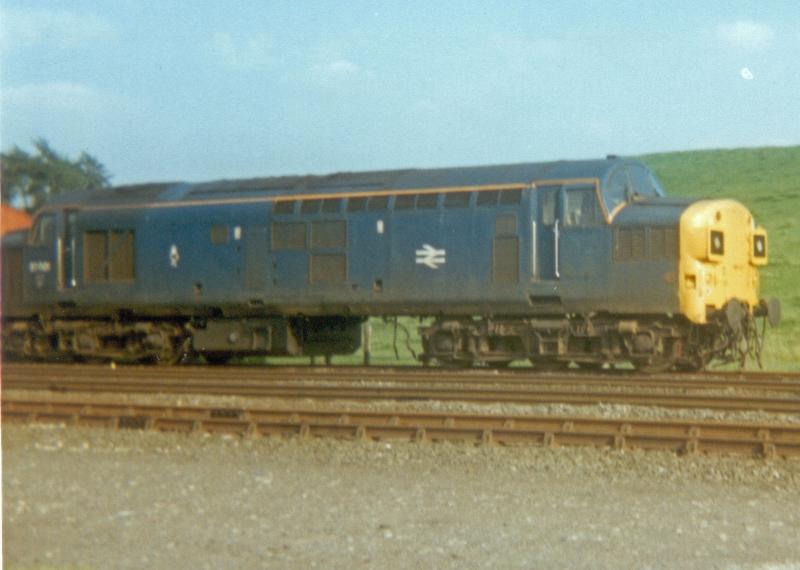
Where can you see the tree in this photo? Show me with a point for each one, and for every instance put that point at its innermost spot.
(29, 180)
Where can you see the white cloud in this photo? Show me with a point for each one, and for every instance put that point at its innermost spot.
(745, 34)
(56, 95)
(242, 53)
(22, 28)
(337, 68)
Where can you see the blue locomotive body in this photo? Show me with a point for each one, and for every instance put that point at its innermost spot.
(506, 258)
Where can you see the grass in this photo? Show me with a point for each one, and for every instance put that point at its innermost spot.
(766, 180)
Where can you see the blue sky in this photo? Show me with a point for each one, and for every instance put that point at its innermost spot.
(169, 90)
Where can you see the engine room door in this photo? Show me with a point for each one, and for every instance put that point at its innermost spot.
(256, 246)
(546, 234)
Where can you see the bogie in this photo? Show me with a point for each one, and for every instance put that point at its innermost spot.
(553, 343)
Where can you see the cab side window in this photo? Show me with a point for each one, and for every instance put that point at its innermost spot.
(44, 230)
(548, 203)
(642, 180)
(617, 190)
(581, 208)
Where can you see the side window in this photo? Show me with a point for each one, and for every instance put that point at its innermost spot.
(404, 201)
(284, 207)
(456, 200)
(510, 197)
(616, 190)
(378, 203)
(356, 204)
(549, 204)
(654, 182)
(331, 205)
(581, 208)
(310, 206)
(427, 201)
(488, 198)
(642, 180)
(44, 230)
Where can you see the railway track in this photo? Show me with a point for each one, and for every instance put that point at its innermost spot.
(359, 384)
(696, 380)
(763, 440)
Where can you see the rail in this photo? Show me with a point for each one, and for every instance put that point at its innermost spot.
(362, 385)
(682, 436)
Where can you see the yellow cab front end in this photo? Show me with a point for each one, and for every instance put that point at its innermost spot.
(721, 250)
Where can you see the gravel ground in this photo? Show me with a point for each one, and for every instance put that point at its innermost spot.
(90, 498)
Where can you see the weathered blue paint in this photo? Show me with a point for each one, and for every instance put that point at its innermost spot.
(179, 271)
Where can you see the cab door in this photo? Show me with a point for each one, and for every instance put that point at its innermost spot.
(546, 233)
(583, 248)
(41, 259)
(68, 254)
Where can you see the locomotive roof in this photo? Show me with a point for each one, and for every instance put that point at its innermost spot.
(345, 182)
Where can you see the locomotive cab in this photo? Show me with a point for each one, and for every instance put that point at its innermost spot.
(50, 257)
(574, 241)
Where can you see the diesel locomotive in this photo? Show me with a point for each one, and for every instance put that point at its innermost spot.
(582, 262)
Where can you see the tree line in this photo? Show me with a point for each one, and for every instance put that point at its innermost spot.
(30, 179)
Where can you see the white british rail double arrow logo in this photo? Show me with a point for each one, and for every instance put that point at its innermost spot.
(430, 256)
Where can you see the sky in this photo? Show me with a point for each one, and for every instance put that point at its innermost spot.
(175, 90)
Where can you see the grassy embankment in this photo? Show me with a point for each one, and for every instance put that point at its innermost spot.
(766, 180)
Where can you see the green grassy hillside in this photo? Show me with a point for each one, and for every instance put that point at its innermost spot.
(767, 181)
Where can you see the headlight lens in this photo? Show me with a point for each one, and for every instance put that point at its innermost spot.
(759, 246)
(717, 242)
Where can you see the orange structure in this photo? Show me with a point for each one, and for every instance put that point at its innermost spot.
(12, 219)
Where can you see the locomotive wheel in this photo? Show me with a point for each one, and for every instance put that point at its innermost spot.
(550, 365)
(81, 359)
(695, 363)
(654, 365)
(161, 359)
(217, 358)
(174, 351)
(454, 364)
(664, 354)
(592, 366)
(686, 366)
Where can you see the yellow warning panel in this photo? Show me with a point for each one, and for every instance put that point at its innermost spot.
(720, 251)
